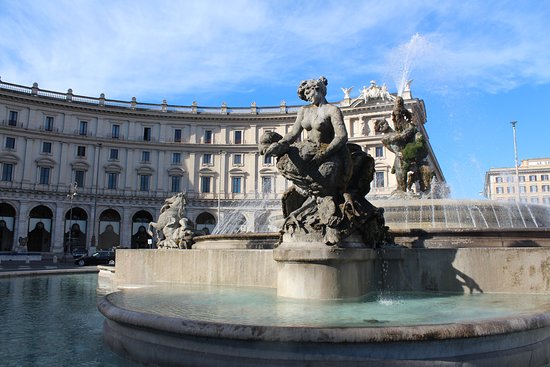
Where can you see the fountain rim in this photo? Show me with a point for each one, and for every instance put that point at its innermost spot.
(373, 334)
(539, 232)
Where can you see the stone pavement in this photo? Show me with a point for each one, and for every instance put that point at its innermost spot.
(42, 267)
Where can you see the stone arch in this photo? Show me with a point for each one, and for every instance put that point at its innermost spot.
(140, 237)
(109, 229)
(39, 238)
(7, 225)
(263, 222)
(206, 221)
(76, 223)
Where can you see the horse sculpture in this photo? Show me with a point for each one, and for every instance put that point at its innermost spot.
(172, 229)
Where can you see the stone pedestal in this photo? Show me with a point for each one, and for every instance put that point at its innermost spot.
(316, 271)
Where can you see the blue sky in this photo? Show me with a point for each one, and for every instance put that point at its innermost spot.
(477, 64)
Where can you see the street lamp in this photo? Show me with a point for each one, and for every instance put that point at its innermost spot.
(516, 157)
(72, 193)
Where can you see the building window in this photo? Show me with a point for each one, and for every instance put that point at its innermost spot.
(534, 200)
(146, 134)
(46, 147)
(545, 188)
(533, 188)
(44, 178)
(115, 131)
(544, 177)
(177, 135)
(7, 172)
(522, 189)
(176, 158)
(83, 130)
(113, 154)
(79, 177)
(48, 123)
(500, 190)
(236, 185)
(521, 178)
(268, 159)
(12, 121)
(237, 159)
(379, 179)
(9, 143)
(81, 151)
(532, 177)
(208, 137)
(546, 200)
(267, 186)
(175, 183)
(145, 156)
(379, 152)
(498, 179)
(207, 159)
(509, 179)
(237, 137)
(510, 190)
(112, 178)
(205, 184)
(144, 181)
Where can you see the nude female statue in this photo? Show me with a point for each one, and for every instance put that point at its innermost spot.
(323, 205)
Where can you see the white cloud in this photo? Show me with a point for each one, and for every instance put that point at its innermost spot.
(156, 48)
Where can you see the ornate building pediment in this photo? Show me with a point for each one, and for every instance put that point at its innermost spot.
(9, 158)
(145, 170)
(79, 165)
(112, 167)
(238, 171)
(45, 162)
(176, 171)
(268, 171)
(207, 171)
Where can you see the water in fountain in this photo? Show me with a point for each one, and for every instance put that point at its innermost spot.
(404, 59)
(472, 214)
(259, 209)
(261, 306)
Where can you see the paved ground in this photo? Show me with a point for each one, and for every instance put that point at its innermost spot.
(17, 268)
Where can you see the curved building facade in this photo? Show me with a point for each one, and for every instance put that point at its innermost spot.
(85, 172)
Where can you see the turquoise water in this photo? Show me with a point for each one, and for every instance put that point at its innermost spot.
(53, 321)
(261, 306)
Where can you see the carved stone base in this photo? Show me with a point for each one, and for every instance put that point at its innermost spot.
(316, 271)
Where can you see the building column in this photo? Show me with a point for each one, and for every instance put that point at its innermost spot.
(125, 226)
(21, 223)
(58, 229)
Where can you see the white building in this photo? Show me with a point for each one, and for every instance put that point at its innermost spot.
(127, 157)
(531, 185)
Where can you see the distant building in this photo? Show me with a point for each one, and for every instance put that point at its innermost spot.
(127, 157)
(531, 186)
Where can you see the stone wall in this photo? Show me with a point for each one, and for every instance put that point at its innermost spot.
(489, 270)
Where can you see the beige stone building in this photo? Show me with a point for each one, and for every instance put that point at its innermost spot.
(126, 158)
(532, 184)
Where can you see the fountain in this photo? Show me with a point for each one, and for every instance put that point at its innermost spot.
(332, 288)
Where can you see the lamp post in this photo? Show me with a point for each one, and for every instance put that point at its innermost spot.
(72, 193)
(516, 158)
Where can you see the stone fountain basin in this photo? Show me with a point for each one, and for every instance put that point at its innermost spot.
(522, 340)
(485, 263)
